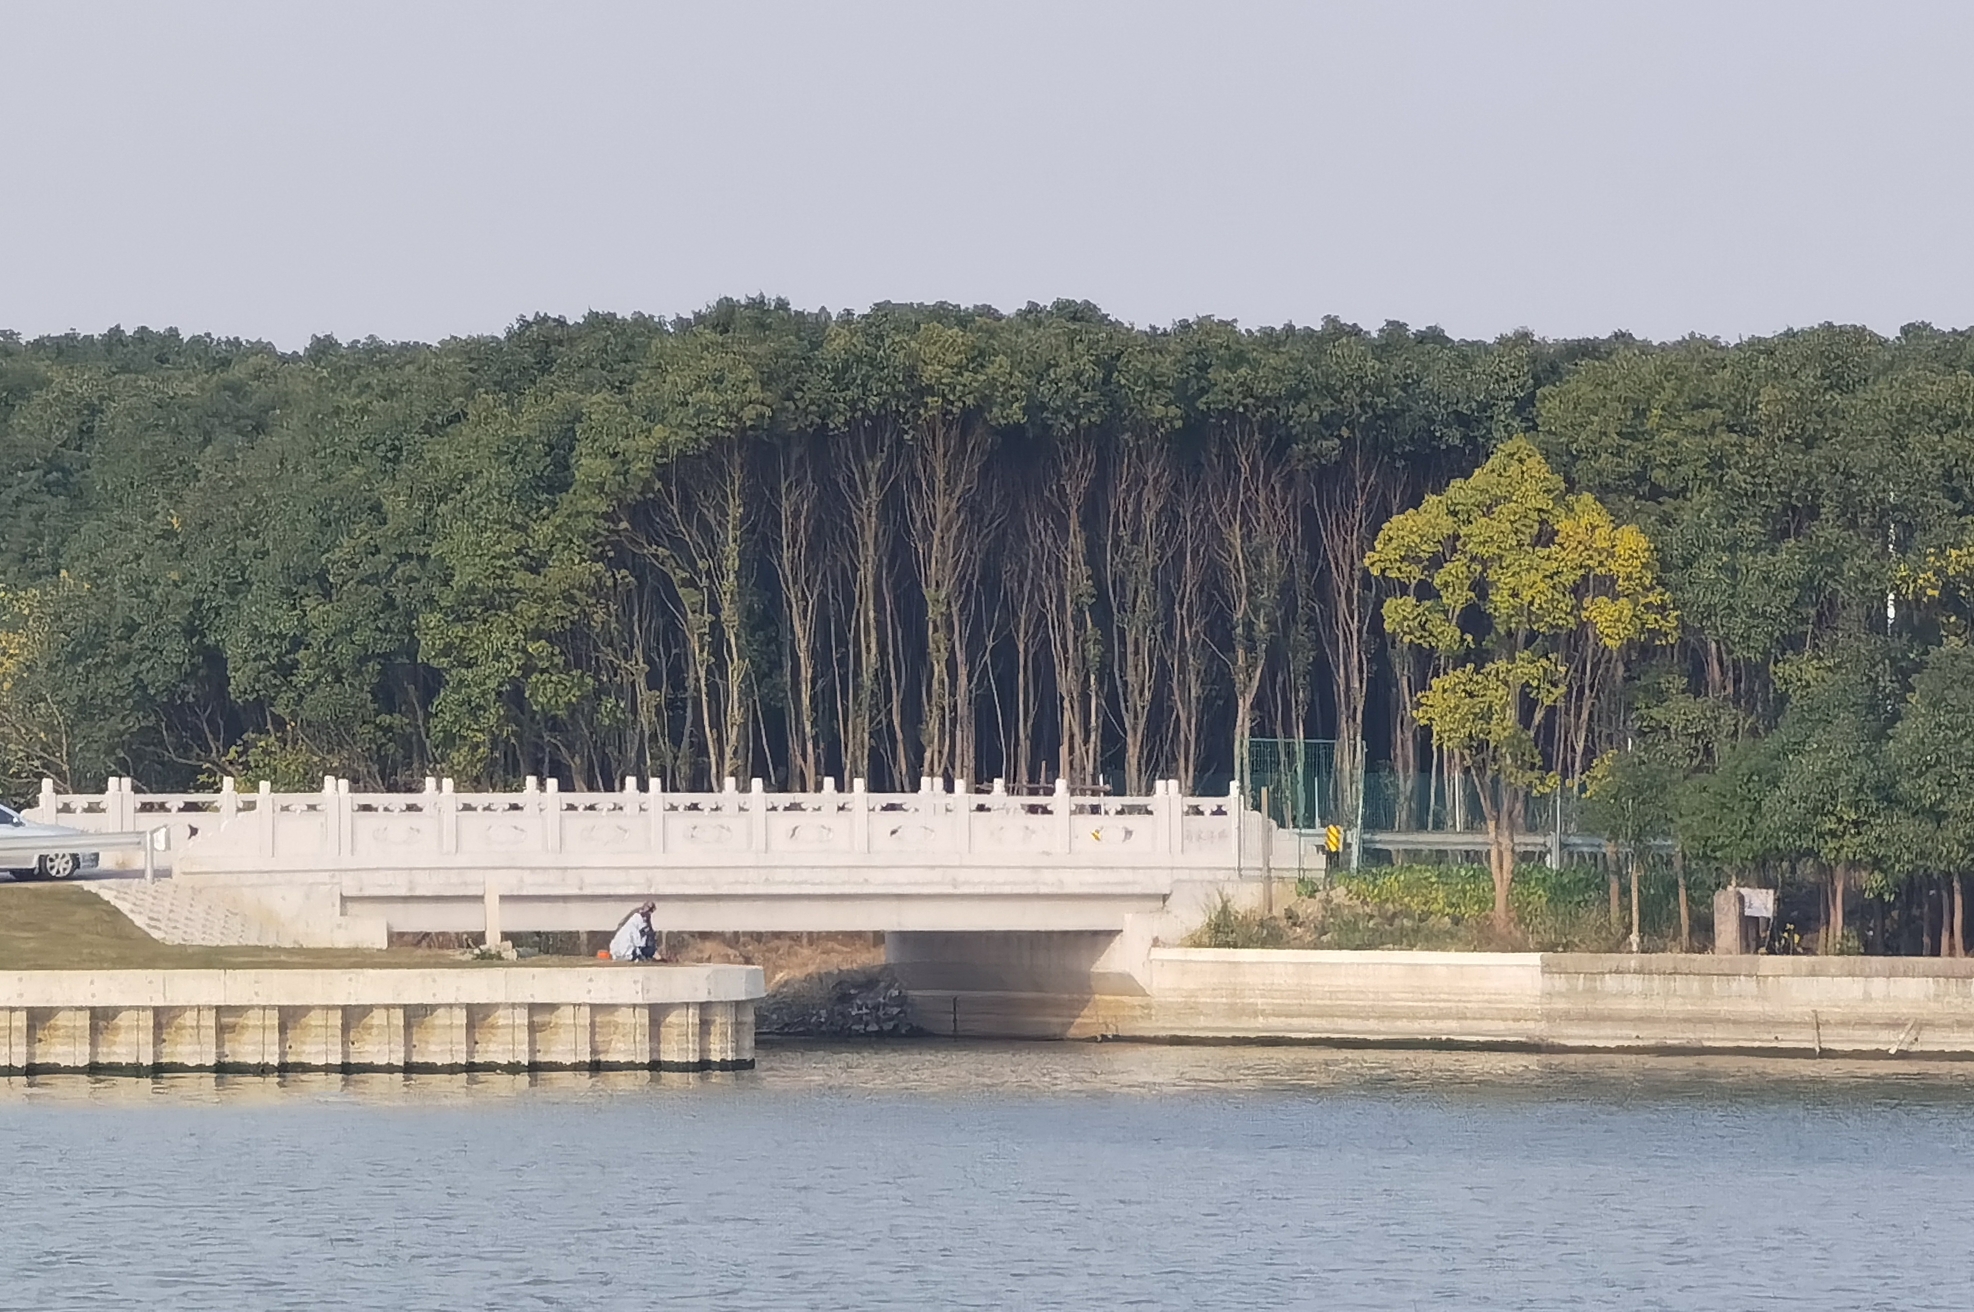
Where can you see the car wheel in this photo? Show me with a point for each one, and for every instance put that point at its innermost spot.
(57, 865)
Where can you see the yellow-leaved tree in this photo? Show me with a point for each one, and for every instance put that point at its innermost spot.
(1502, 570)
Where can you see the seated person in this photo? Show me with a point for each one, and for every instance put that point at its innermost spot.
(635, 939)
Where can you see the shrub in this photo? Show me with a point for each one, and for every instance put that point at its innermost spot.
(1230, 927)
(1466, 892)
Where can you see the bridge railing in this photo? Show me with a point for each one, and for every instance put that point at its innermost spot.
(647, 824)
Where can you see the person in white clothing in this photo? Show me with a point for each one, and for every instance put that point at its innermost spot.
(635, 939)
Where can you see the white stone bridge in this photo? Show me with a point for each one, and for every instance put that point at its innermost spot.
(339, 867)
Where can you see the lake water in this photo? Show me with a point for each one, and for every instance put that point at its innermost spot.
(1047, 1175)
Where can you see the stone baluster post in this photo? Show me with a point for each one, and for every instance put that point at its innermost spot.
(531, 805)
(832, 808)
(1161, 809)
(264, 816)
(1065, 812)
(552, 815)
(962, 817)
(1237, 812)
(332, 825)
(345, 819)
(448, 807)
(859, 816)
(656, 788)
(757, 816)
(428, 801)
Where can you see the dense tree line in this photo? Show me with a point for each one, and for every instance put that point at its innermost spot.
(916, 541)
(931, 541)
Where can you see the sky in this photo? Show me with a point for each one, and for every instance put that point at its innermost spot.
(419, 171)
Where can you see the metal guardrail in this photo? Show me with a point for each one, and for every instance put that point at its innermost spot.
(1439, 840)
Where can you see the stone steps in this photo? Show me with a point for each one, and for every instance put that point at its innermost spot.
(177, 913)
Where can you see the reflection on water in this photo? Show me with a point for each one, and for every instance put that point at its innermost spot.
(1040, 1175)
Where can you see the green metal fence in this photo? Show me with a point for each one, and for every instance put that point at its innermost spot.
(1302, 786)
(1441, 803)
(1300, 777)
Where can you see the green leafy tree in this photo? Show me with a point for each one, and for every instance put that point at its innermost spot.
(1931, 756)
(1833, 804)
(1500, 568)
(1629, 799)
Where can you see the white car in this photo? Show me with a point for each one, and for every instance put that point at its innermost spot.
(49, 865)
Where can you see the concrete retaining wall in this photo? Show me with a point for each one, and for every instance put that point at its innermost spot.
(1854, 1005)
(492, 1018)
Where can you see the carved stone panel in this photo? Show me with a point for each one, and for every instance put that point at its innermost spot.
(607, 835)
(910, 835)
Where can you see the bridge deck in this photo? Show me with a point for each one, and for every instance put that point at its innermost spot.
(944, 858)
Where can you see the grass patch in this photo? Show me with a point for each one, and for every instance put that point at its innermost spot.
(66, 927)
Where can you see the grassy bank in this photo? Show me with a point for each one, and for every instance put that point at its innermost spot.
(66, 927)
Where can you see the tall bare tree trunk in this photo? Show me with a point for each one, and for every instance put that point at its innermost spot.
(1934, 890)
(906, 766)
(1351, 501)
(1685, 911)
(799, 568)
(945, 535)
(1026, 623)
(1635, 928)
(1253, 506)
(1137, 528)
(1192, 575)
(1958, 918)
(1074, 639)
(730, 584)
(1611, 878)
(693, 530)
(1833, 920)
(1405, 740)
(1501, 805)
(868, 471)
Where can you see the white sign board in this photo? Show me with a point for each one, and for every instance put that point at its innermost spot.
(1758, 902)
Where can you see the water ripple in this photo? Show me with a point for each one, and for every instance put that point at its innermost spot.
(1003, 1176)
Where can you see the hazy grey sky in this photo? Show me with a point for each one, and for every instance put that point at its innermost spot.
(423, 170)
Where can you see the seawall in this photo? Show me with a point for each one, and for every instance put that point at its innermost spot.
(1656, 1002)
(508, 1018)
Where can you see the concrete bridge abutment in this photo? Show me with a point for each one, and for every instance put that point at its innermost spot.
(678, 1018)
